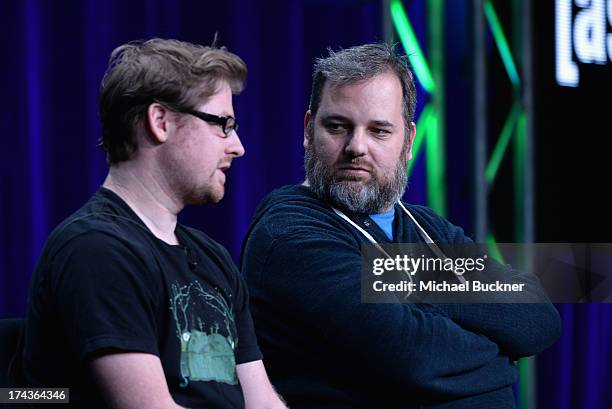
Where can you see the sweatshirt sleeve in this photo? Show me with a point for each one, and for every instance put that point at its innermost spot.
(519, 329)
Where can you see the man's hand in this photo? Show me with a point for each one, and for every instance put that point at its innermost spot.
(256, 387)
(132, 380)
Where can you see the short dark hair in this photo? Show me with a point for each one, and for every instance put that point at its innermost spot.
(361, 63)
(174, 73)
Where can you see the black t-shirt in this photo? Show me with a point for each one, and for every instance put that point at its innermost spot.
(105, 284)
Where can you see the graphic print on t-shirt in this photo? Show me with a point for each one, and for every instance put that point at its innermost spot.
(206, 354)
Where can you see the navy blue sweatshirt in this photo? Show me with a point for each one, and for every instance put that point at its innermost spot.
(324, 348)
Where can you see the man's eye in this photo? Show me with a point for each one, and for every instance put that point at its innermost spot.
(335, 127)
(380, 131)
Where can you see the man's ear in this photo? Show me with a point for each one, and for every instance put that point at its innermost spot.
(307, 118)
(411, 137)
(158, 122)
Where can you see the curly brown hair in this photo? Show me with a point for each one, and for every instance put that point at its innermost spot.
(176, 74)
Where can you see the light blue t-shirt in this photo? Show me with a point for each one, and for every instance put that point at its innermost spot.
(385, 221)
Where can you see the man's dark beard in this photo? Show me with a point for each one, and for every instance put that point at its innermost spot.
(374, 196)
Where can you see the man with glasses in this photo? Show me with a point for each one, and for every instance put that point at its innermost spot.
(302, 260)
(128, 308)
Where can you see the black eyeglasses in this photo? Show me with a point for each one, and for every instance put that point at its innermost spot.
(227, 123)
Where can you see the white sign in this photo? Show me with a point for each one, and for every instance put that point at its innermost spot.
(586, 36)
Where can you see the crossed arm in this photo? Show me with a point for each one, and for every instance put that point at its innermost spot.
(311, 268)
(136, 380)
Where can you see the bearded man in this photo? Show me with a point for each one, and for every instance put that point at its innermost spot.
(302, 261)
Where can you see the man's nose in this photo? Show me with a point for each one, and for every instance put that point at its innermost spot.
(235, 147)
(357, 145)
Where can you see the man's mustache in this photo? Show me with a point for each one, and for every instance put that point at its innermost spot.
(356, 162)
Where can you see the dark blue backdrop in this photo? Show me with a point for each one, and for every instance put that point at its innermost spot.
(49, 106)
(55, 53)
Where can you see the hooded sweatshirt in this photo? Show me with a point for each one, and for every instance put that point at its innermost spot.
(324, 348)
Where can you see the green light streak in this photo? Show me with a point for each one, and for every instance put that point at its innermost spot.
(411, 45)
(502, 43)
(435, 168)
(516, 119)
(436, 151)
(502, 144)
(494, 248)
(526, 385)
(422, 126)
